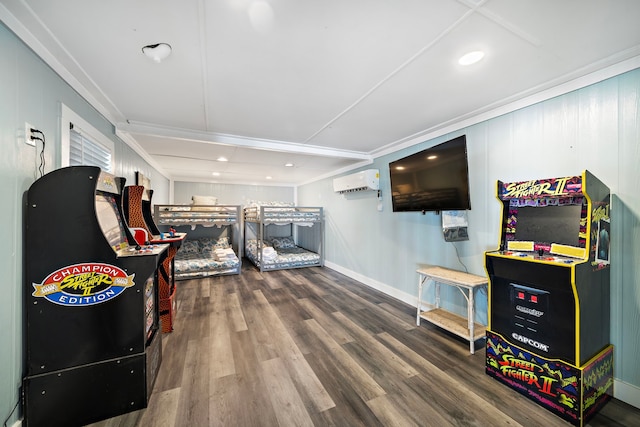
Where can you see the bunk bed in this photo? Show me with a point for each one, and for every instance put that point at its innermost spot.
(281, 236)
(213, 246)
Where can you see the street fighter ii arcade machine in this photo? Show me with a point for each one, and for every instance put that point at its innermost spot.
(92, 347)
(548, 332)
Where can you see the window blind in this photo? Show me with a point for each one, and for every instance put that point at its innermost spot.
(84, 151)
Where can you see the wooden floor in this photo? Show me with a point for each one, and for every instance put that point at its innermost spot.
(311, 347)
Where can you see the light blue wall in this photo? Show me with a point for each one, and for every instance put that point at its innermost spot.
(230, 194)
(596, 128)
(30, 91)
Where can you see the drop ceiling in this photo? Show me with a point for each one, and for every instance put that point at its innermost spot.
(325, 85)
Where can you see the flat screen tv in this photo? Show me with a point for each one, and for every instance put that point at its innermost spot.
(435, 179)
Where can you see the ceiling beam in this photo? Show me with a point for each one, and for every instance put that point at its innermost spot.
(238, 141)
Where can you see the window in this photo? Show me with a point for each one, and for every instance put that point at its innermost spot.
(83, 151)
(82, 144)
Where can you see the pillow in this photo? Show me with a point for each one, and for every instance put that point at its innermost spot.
(190, 247)
(250, 244)
(209, 244)
(222, 243)
(204, 200)
(283, 242)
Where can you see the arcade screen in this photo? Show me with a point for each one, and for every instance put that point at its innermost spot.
(549, 224)
(110, 221)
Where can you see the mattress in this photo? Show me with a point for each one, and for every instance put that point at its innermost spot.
(292, 257)
(197, 258)
(283, 215)
(197, 265)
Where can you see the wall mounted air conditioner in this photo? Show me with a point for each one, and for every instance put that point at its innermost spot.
(361, 181)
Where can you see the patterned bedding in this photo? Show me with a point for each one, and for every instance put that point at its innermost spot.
(196, 258)
(286, 256)
(283, 214)
(220, 215)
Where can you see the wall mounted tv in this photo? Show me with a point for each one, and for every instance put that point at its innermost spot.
(435, 179)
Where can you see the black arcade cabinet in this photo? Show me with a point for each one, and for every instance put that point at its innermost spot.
(92, 347)
(548, 332)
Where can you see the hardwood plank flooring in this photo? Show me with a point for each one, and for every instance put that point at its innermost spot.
(311, 347)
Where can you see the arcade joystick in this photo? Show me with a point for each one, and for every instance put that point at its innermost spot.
(540, 252)
(138, 247)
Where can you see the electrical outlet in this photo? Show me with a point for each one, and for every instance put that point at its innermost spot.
(28, 134)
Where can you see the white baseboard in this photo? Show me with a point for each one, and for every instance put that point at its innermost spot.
(626, 392)
(622, 391)
(382, 287)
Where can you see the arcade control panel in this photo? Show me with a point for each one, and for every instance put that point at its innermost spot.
(539, 257)
(142, 250)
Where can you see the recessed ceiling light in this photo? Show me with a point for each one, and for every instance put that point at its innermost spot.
(268, 177)
(288, 165)
(432, 157)
(216, 174)
(158, 51)
(222, 159)
(400, 168)
(471, 57)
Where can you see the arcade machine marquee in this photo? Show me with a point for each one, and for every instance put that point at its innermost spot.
(92, 347)
(548, 332)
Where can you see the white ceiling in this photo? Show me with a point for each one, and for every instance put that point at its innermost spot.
(322, 84)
